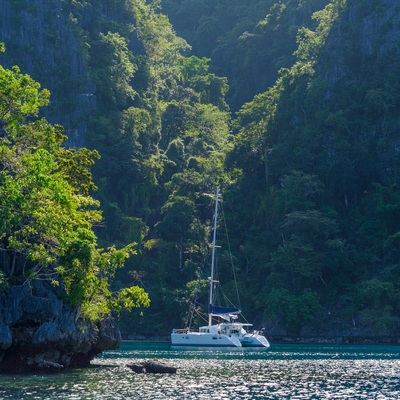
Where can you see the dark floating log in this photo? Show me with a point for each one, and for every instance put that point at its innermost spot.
(151, 367)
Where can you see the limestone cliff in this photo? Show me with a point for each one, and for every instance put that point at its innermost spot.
(39, 41)
(40, 332)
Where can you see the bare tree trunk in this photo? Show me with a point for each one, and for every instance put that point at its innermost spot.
(14, 260)
(266, 164)
(181, 254)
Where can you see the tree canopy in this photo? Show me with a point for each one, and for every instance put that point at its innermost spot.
(46, 212)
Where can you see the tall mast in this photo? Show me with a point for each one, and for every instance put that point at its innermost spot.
(213, 253)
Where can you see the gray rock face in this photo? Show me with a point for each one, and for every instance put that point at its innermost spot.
(39, 332)
(38, 39)
(366, 32)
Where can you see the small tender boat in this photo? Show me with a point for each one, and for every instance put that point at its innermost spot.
(227, 332)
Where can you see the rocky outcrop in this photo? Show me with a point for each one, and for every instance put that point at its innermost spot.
(40, 332)
(152, 367)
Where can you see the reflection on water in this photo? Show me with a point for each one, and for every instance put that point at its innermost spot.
(283, 371)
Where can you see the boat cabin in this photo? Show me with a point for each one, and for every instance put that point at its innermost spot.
(225, 329)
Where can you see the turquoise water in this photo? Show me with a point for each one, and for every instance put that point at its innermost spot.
(281, 372)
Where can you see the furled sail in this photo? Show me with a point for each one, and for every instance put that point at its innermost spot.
(217, 310)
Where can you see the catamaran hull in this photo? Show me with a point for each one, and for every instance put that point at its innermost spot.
(204, 340)
(254, 341)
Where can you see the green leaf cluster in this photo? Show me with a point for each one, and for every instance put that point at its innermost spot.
(46, 213)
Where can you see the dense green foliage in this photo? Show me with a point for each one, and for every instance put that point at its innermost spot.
(162, 129)
(308, 163)
(316, 154)
(46, 214)
(246, 42)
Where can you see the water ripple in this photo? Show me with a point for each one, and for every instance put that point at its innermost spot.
(284, 372)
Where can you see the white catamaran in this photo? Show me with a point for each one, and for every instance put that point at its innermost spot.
(226, 333)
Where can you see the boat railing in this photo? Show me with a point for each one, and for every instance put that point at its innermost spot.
(254, 332)
(184, 330)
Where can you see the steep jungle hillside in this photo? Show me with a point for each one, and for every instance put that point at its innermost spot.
(246, 42)
(159, 121)
(308, 164)
(319, 155)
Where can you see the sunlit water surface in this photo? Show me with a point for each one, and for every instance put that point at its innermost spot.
(281, 372)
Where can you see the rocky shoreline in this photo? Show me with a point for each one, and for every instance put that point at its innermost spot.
(39, 332)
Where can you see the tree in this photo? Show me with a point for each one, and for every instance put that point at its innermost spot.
(376, 302)
(117, 69)
(46, 214)
(295, 311)
(300, 191)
